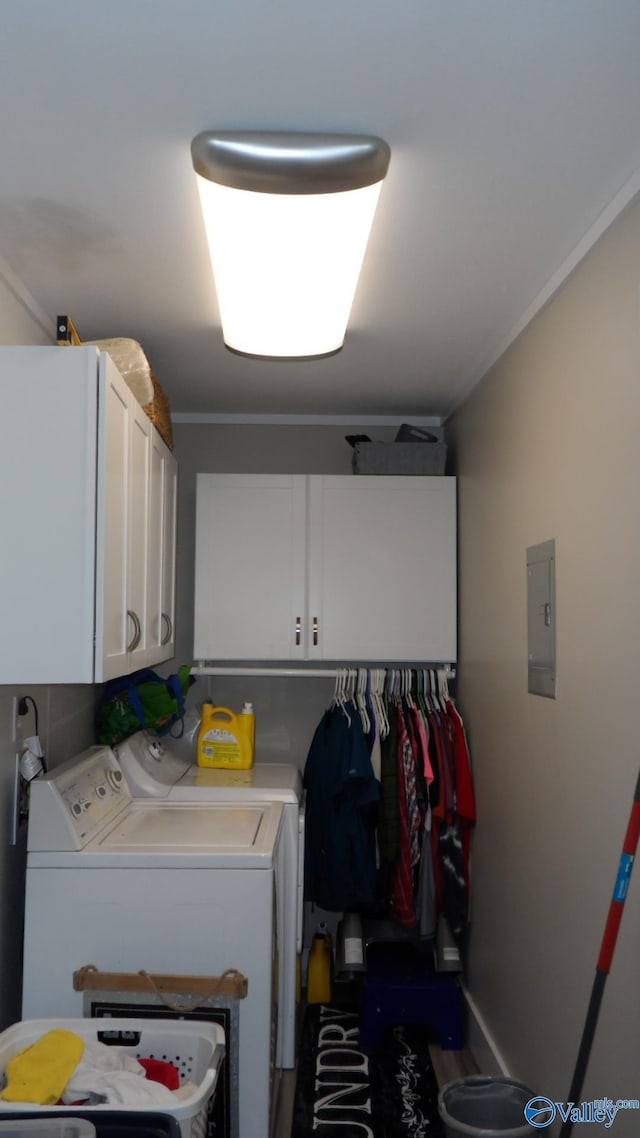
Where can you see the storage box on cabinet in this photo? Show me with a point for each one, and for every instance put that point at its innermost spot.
(324, 567)
(400, 458)
(76, 448)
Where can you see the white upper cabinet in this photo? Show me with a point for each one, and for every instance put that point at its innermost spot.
(250, 567)
(325, 568)
(79, 573)
(382, 568)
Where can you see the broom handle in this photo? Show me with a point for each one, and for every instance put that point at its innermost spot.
(607, 947)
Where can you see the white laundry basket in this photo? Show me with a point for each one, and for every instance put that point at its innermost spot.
(196, 1049)
(47, 1128)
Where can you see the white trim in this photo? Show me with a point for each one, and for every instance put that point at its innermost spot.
(202, 669)
(363, 420)
(609, 214)
(205, 670)
(480, 1041)
(25, 298)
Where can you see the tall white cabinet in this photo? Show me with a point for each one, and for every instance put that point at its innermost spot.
(89, 509)
(315, 567)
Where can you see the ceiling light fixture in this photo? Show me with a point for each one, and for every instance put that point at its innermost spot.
(287, 217)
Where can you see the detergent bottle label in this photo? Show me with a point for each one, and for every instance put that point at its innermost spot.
(225, 739)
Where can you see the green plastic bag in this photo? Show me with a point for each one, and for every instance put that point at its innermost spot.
(143, 699)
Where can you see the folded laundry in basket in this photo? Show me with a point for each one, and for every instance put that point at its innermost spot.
(118, 1088)
(40, 1071)
(107, 1075)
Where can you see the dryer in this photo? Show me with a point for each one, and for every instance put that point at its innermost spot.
(153, 770)
(166, 886)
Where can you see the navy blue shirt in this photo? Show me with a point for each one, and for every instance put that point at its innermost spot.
(341, 790)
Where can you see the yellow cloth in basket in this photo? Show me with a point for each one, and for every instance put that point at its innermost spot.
(39, 1073)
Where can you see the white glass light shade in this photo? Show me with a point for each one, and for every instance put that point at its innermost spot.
(287, 217)
(286, 266)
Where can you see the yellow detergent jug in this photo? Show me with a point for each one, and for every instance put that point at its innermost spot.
(226, 739)
(319, 970)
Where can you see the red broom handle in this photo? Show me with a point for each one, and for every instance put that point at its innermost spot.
(607, 947)
(616, 907)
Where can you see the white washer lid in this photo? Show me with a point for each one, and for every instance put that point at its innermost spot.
(161, 835)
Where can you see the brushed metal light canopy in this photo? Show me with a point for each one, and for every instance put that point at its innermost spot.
(290, 162)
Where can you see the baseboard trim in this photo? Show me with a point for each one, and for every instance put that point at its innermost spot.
(480, 1041)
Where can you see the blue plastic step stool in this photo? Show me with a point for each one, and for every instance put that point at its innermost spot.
(401, 986)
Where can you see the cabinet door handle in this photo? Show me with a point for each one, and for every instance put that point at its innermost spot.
(298, 628)
(315, 630)
(137, 631)
(168, 623)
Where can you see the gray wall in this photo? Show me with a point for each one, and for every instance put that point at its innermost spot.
(547, 447)
(65, 714)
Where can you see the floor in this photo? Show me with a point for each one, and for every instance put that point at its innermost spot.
(447, 1065)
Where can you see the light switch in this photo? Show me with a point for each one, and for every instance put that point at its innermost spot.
(541, 618)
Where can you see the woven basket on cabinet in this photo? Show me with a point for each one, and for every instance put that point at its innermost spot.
(159, 413)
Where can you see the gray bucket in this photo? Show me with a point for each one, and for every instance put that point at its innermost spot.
(481, 1106)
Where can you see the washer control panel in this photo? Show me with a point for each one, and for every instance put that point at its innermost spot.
(74, 802)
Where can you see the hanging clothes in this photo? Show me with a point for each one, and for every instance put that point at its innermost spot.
(391, 840)
(401, 898)
(454, 815)
(427, 873)
(340, 818)
(389, 811)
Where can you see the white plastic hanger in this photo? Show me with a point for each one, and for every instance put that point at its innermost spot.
(361, 701)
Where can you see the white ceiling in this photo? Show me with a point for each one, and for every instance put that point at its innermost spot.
(514, 127)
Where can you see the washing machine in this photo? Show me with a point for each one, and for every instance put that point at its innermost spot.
(127, 883)
(154, 770)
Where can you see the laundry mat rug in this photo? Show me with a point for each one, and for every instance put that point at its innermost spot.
(345, 1092)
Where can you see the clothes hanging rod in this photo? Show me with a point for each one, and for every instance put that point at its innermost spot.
(318, 673)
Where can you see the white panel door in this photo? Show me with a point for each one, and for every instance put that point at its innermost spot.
(250, 567)
(141, 431)
(48, 438)
(153, 618)
(114, 630)
(123, 529)
(161, 553)
(382, 558)
(168, 553)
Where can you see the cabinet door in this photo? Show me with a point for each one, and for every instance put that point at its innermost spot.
(114, 629)
(48, 440)
(249, 577)
(122, 634)
(161, 552)
(382, 568)
(169, 533)
(141, 651)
